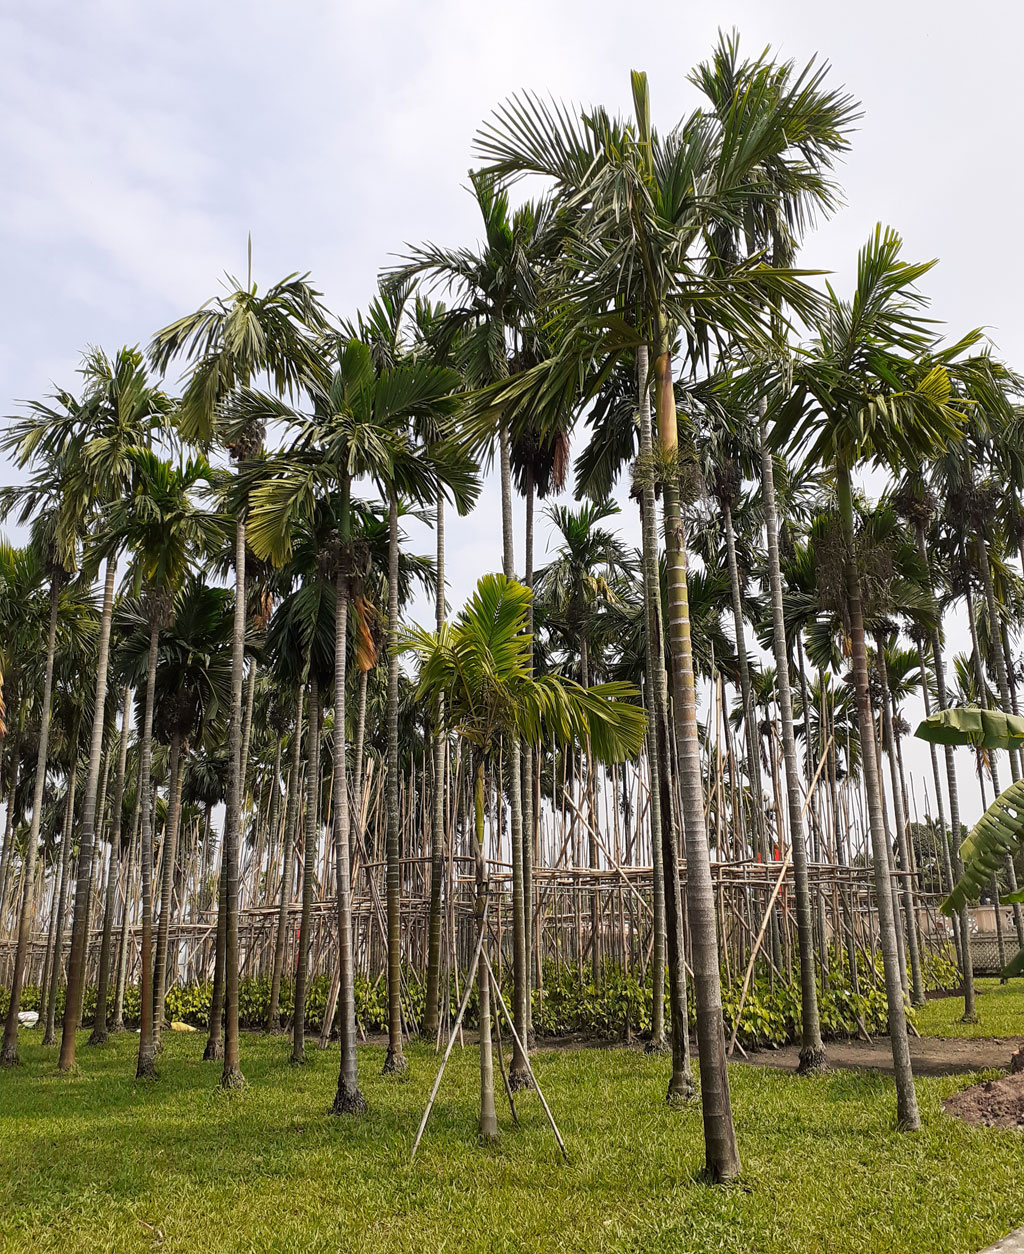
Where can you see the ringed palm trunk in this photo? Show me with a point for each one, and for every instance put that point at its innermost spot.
(99, 1029)
(999, 654)
(653, 654)
(394, 1061)
(214, 1051)
(906, 1098)
(488, 1115)
(9, 1050)
(231, 1076)
(290, 827)
(83, 885)
(812, 1051)
(146, 1068)
(746, 693)
(529, 767)
(721, 1154)
(348, 1099)
(60, 903)
(121, 976)
(966, 964)
(519, 1074)
(12, 796)
(170, 860)
(430, 1012)
(900, 817)
(308, 867)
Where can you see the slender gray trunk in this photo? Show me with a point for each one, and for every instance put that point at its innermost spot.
(290, 831)
(9, 1050)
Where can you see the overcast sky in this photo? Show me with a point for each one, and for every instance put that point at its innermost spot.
(141, 143)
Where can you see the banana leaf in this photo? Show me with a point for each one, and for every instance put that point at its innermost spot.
(971, 725)
(999, 831)
(1014, 967)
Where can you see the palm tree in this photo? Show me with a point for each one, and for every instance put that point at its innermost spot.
(192, 692)
(165, 532)
(120, 409)
(54, 535)
(231, 341)
(477, 672)
(874, 386)
(362, 426)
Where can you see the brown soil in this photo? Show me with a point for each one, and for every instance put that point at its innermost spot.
(992, 1104)
(930, 1055)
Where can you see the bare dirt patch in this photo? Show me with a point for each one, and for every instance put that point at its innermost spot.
(991, 1104)
(930, 1055)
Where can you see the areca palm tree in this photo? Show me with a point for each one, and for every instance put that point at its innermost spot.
(166, 531)
(364, 425)
(231, 342)
(875, 387)
(54, 535)
(476, 678)
(120, 409)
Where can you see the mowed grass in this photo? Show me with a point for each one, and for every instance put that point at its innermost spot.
(96, 1161)
(1000, 1010)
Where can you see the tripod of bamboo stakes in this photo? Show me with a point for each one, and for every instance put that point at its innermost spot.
(479, 954)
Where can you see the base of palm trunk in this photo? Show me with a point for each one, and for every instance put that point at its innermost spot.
(232, 1079)
(657, 1047)
(519, 1077)
(970, 1018)
(395, 1062)
(812, 1061)
(681, 1088)
(348, 1100)
(146, 1070)
(214, 1050)
(9, 1056)
(98, 1036)
(298, 1058)
(489, 1130)
(117, 1028)
(49, 1038)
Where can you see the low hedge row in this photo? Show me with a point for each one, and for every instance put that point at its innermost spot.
(569, 1003)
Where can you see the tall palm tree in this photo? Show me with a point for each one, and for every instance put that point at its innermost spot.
(874, 386)
(120, 409)
(480, 667)
(166, 532)
(363, 426)
(54, 534)
(232, 341)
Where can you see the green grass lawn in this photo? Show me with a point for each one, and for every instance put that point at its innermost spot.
(1000, 1012)
(98, 1162)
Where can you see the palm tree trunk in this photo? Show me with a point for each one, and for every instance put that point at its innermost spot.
(359, 764)
(488, 1115)
(122, 945)
(721, 1154)
(99, 1028)
(966, 964)
(147, 1045)
(175, 777)
(231, 1076)
(746, 693)
(83, 886)
(529, 811)
(653, 658)
(9, 1050)
(60, 900)
(519, 1074)
(906, 1098)
(900, 817)
(394, 1061)
(430, 1011)
(308, 868)
(214, 1051)
(12, 796)
(348, 1099)
(812, 1051)
(290, 822)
